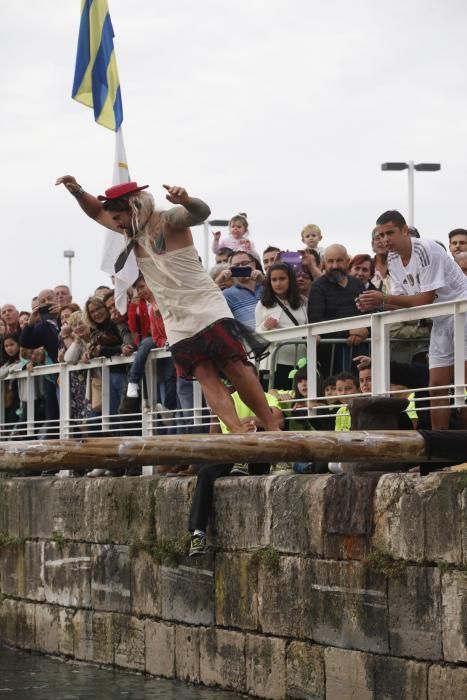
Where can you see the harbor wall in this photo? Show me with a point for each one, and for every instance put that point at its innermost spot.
(349, 587)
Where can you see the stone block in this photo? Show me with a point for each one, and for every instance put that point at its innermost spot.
(4, 491)
(265, 666)
(352, 675)
(29, 511)
(25, 614)
(8, 619)
(464, 526)
(348, 512)
(102, 638)
(415, 613)
(111, 578)
(21, 570)
(128, 641)
(47, 628)
(346, 675)
(305, 671)
(222, 657)
(160, 648)
(236, 590)
(145, 585)
(66, 631)
(187, 592)
(454, 616)
(83, 635)
(445, 683)
(419, 519)
(187, 654)
(242, 513)
(172, 506)
(118, 511)
(68, 513)
(347, 605)
(281, 598)
(298, 513)
(67, 574)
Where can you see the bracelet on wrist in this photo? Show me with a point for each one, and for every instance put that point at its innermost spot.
(77, 193)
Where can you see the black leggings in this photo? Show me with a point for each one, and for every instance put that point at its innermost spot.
(202, 497)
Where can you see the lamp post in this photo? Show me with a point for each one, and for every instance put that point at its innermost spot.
(70, 254)
(411, 167)
(207, 229)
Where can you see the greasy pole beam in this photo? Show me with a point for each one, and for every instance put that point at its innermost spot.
(391, 446)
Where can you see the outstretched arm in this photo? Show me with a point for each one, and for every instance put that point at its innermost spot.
(191, 212)
(88, 203)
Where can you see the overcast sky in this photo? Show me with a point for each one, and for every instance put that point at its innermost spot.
(283, 109)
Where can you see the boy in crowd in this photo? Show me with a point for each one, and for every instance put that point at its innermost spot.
(423, 273)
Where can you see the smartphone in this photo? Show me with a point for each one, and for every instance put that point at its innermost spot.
(240, 271)
(291, 257)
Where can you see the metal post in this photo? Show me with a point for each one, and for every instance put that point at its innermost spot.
(207, 232)
(411, 183)
(69, 272)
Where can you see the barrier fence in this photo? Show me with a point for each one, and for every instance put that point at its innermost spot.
(197, 418)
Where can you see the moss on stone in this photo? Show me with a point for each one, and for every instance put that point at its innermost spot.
(383, 564)
(267, 557)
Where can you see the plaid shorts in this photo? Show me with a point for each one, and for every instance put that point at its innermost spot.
(219, 343)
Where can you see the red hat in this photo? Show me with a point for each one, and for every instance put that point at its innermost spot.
(117, 191)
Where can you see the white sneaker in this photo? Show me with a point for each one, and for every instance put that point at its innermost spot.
(335, 468)
(96, 472)
(132, 390)
(165, 416)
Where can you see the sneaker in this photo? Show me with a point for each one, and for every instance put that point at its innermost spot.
(96, 472)
(197, 545)
(240, 470)
(132, 390)
(165, 416)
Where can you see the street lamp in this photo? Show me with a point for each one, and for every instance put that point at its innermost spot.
(206, 226)
(70, 254)
(411, 167)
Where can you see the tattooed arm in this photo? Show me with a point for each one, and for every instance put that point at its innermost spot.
(193, 211)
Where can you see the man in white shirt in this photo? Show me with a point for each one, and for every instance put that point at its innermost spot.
(423, 273)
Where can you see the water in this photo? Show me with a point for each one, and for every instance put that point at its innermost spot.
(26, 676)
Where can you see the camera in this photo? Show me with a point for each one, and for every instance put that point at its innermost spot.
(240, 271)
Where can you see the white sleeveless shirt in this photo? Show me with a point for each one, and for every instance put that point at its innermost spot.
(187, 297)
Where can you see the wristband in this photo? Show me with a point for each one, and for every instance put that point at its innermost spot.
(77, 193)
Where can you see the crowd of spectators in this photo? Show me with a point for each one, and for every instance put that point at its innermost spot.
(318, 281)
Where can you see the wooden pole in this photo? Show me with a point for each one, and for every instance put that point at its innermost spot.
(391, 446)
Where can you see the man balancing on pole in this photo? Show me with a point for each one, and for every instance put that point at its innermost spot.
(205, 340)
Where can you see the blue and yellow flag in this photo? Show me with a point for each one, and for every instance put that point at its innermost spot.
(96, 82)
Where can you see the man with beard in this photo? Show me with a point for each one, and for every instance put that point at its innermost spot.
(333, 296)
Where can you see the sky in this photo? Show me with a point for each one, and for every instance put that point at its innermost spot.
(283, 110)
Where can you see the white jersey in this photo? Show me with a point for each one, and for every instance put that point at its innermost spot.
(430, 269)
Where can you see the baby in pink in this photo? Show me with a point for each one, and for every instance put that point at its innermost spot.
(237, 238)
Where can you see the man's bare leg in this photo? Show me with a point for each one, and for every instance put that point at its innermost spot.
(441, 411)
(218, 397)
(251, 392)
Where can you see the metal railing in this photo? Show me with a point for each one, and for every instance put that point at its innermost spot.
(149, 421)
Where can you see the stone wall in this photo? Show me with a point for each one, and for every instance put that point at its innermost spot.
(337, 587)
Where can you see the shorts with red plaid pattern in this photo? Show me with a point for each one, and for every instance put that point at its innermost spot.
(224, 341)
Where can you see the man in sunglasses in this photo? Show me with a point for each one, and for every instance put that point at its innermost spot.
(204, 338)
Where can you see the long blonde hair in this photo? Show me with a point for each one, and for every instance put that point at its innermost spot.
(142, 208)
